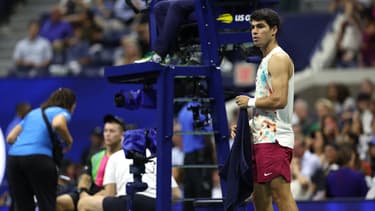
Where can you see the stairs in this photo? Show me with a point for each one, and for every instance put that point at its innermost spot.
(17, 29)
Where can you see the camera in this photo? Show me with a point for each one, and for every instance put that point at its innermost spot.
(201, 116)
(135, 99)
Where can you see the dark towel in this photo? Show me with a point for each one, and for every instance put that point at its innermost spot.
(237, 170)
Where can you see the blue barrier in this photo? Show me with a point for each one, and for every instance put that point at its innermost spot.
(329, 205)
(332, 205)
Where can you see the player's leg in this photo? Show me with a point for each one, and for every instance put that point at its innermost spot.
(282, 194)
(262, 197)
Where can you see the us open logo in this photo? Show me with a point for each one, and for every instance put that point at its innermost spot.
(228, 18)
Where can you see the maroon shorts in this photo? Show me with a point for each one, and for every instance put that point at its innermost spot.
(271, 160)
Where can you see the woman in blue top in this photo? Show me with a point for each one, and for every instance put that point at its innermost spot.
(30, 167)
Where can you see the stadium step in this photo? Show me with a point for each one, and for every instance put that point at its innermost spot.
(17, 29)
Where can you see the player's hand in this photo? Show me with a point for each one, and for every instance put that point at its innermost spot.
(244, 101)
(233, 131)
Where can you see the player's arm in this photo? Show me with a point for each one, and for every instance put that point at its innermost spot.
(280, 69)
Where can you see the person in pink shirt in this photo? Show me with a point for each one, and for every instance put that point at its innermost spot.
(91, 180)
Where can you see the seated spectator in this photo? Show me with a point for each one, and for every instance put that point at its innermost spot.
(304, 165)
(123, 12)
(91, 31)
(104, 17)
(169, 16)
(91, 180)
(130, 51)
(71, 9)
(323, 107)
(96, 144)
(77, 55)
(330, 129)
(371, 150)
(66, 177)
(346, 181)
(302, 115)
(367, 86)
(329, 164)
(363, 105)
(57, 31)
(33, 54)
(113, 197)
(22, 109)
(339, 95)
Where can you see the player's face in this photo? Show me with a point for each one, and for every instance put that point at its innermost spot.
(112, 133)
(261, 33)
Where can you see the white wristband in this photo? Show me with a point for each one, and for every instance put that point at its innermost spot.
(251, 102)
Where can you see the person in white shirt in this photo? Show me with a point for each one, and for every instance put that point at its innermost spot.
(33, 54)
(271, 125)
(117, 175)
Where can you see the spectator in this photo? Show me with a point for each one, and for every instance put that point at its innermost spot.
(367, 54)
(96, 144)
(197, 150)
(123, 12)
(371, 150)
(114, 195)
(329, 164)
(352, 128)
(363, 105)
(323, 107)
(91, 31)
(91, 180)
(129, 52)
(33, 54)
(349, 37)
(330, 129)
(22, 109)
(339, 95)
(57, 31)
(346, 181)
(104, 17)
(66, 177)
(77, 56)
(301, 115)
(367, 86)
(304, 166)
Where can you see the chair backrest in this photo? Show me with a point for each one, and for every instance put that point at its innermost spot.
(220, 22)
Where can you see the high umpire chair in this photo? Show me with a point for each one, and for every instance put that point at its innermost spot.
(219, 22)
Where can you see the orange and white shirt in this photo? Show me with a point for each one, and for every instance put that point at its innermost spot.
(272, 126)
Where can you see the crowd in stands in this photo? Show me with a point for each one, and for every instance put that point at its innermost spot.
(80, 38)
(355, 41)
(7, 8)
(84, 36)
(334, 144)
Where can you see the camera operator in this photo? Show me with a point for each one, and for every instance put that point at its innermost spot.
(198, 150)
